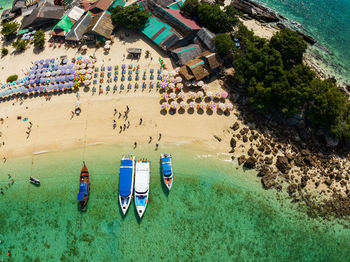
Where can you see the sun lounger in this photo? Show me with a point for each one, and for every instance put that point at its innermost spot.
(121, 87)
(115, 68)
(116, 72)
(109, 68)
(151, 77)
(144, 77)
(123, 78)
(158, 85)
(136, 86)
(123, 71)
(137, 77)
(96, 69)
(144, 86)
(108, 88)
(129, 86)
(151, 85)
(115, 88)
(129, 78)
(115, 79)
(123, 66)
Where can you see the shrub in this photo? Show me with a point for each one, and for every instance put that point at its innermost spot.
(4, 51)
(12, 78)
(19, 44)
(39, 38)
(132, 16)
(9, 29)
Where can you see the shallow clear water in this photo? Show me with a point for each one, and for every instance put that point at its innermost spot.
(328, 22)
(213, 213)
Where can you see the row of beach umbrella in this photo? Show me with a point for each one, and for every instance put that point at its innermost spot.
(193, 95)
(43, 88)
(183, 104)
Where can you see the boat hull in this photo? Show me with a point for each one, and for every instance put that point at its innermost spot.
(84, 179)
(142, 178)
(167, 179)
(141, 201)
(124, 201)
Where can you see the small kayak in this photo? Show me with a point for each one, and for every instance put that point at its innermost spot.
(34, 181)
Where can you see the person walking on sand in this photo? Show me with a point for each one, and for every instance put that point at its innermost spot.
(127, 108)
(128, 124)
(124, 127)
(150, 140)
(156, 147)
(115, 111)
(135, 145)
(120, 114)
(114, 125)
(160, 136)
(140, 121)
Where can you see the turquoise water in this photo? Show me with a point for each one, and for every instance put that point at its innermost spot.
(5, 4)
(214, 212)
(326, 21)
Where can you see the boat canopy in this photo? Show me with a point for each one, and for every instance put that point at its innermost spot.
(142, 177)
(166, 166)
(82, 191)
(125, 177)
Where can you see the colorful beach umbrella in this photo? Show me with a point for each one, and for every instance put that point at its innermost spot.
(211, 105)
(165, 106)
(192, 104)
(173, 105)
(181, 95)
(183, 104)
(164, 95)
(202, 105)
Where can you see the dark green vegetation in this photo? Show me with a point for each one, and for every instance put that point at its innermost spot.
(12, 78)
(39, 38)
(19, 44)
(211, 16)
(130, 16)
(275, 78)
(4, 51)
(224, 44)
(9, 29)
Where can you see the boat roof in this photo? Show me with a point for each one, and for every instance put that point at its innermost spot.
(125, 177)
(166, 166)
(142, 176)
(82, 191)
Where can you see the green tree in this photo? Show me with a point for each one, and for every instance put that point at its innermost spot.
(19, 44)
(4, 51)
(9, 29)
(132, 16)
(223, 44)
(39, 38)
(12, 78)
(290, 45)
(190, 8)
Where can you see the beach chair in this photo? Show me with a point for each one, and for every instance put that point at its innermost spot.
(115, 79)
(96, 69)
(123, 66)
(109, 74)
(116, 72)
(129, 72)
(122, 87)
(115, 88)
(94, 90)
(151, 85)
(136, 86)
(115, 68)
(129, 86)
(110, 80)
(109, 68)
(159, 77)
(123, 78)
(137, 77)
(144, 86)
(159, 71)
(129, 78)
(102, 74)
(95, 75)
(151, 77)
(158, 85)
(94, 82)
(103, 68)
(144, 77)
(123, 71)
(108, 88)
(137, 71)
(151, 70)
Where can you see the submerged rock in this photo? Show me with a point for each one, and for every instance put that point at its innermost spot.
(250, 163)
(282, 164)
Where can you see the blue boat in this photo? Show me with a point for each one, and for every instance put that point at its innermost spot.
(126, 182)
(84, 188)
(167, 170)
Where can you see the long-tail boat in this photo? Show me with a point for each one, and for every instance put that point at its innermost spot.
(84, 188)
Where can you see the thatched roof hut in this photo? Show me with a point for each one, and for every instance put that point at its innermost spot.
(183, 54)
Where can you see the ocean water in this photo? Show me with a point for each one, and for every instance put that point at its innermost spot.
(214, 212)
(5, 4)
(328, 22)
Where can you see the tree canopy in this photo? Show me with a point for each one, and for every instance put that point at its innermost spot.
(12, 78)
(9, 29)
(290, 45)
(132, 16)
(4, 51)
(223, 44)
(19, 44)
(39, 38)
(190, 8)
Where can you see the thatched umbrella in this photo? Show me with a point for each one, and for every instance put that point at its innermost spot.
(229, 106)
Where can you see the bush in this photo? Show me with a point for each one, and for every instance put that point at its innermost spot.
(4, 51)
(39, 38)
(19, 44)
(9, 29)
(130, 16)
(12, 78)
(190, 8)
(223, 44)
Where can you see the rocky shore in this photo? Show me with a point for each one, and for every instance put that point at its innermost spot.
(296, 159)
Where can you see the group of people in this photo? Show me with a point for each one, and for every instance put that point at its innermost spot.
(124, 117)
(9, 184)
(29, 129)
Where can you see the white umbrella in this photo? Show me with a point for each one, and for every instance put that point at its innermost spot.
(172, 73)
(108, 42)
(222, 106)
(87, 82)
(192, 104)
(107, 47)
(177, 70)
(200, 83)
(210, 94)
(202, 105)
(88, 76)
(173, 105)
(205, 87)
(171, 85)
(165, 73)
(89, 71)
(229, 106)
(83, 65)
(200, 94)
(90, 65)
(183, 104)
(82, 71)
(172, 95)
(178, 79)
(77, 67)
(181, 95)
(192, 95)
(84, 47)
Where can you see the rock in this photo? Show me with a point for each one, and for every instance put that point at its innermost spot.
(233, 143)
(303, 181)
(251, 138)
(268, 180)
(292, 188)
(261, 148)
(282, 164)
(338, 177)
(250, 163)
(264, 171)
(235, 126)
(217, 138)
(268, 160)
(328, 182)
(267, 151)
(241, 160)
(245, 139)
(251, 152)
(238, 136)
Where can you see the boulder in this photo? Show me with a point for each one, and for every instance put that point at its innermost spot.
(264, 171)
(250, 163)
(235, 126)
(338, 177)
(245, 139)
(268, 160)
(282, 164)
(241, 160)
(233, 143)
(251, 151)
(268, 180)
(292, 188)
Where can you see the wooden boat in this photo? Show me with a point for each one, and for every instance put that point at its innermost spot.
(84, 188)
(126, 182)
(142, 176)
(34, 181)
(167, 170)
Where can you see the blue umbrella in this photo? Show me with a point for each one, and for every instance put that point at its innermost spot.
(37, 81)
(72, 71)
(42, 61)
(52, 60)
(70, 66)
(66, 85)
(36, 62)
(47, 60)
(25, 91)
(60, 86)
(65, 61)
(32, 77)
(46, 65)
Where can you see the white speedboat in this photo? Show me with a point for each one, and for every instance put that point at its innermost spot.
(167, 170)
(126, 182)
(142, 176)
